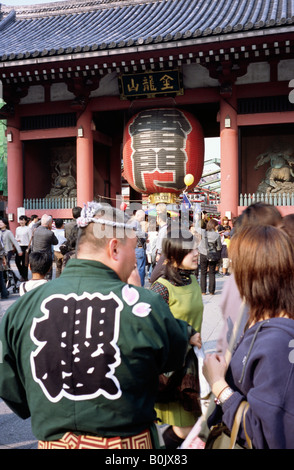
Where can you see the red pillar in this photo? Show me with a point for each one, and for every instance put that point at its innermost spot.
(85, 182)
(14, 172)
(229, 157)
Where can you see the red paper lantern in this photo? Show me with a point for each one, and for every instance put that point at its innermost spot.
(161, 146)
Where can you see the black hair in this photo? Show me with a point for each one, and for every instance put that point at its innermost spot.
(71, 242)
(58, 223)
(175, 247)
(40, 262)
(5, 221)
(76, 212)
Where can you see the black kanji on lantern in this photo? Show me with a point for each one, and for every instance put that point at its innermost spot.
(158, 143)
(77, 353)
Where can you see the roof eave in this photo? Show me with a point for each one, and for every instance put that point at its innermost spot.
(143, 48)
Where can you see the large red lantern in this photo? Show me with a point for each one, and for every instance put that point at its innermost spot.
(161, 146)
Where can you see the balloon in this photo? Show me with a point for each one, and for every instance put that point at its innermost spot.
(189, 179)
(123, 206)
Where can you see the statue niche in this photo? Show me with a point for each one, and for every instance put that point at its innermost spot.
(63, 180)
(279, 177)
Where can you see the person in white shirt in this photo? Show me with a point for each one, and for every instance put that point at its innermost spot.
(23, 236)
(60, 235)
(39, 264)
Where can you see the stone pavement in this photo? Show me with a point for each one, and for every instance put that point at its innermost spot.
(16, 433)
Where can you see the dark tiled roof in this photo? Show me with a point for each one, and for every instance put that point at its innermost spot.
(87, 25)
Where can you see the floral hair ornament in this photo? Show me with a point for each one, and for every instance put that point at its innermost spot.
(88, 215)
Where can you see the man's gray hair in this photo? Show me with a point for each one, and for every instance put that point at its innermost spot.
(140, 215)
(46, 220)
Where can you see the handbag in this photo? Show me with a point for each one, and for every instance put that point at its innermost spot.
(220, 437)
(182, 385)
(64, 248)
(212, 254)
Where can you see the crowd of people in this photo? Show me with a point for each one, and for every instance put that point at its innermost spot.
(43, 235)
(104, 352)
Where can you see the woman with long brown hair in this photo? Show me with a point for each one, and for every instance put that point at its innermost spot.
(261, 370)
(259, 213)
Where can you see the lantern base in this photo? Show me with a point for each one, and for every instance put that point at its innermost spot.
(166, 198)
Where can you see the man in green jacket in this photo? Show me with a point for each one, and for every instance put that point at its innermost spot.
(81, 355)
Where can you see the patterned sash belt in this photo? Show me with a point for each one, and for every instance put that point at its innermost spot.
(72, 441)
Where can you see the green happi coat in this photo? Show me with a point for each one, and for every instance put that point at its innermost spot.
(82, 353)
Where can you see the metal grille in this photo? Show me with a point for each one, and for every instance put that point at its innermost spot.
(265, 104)
(48, 121)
